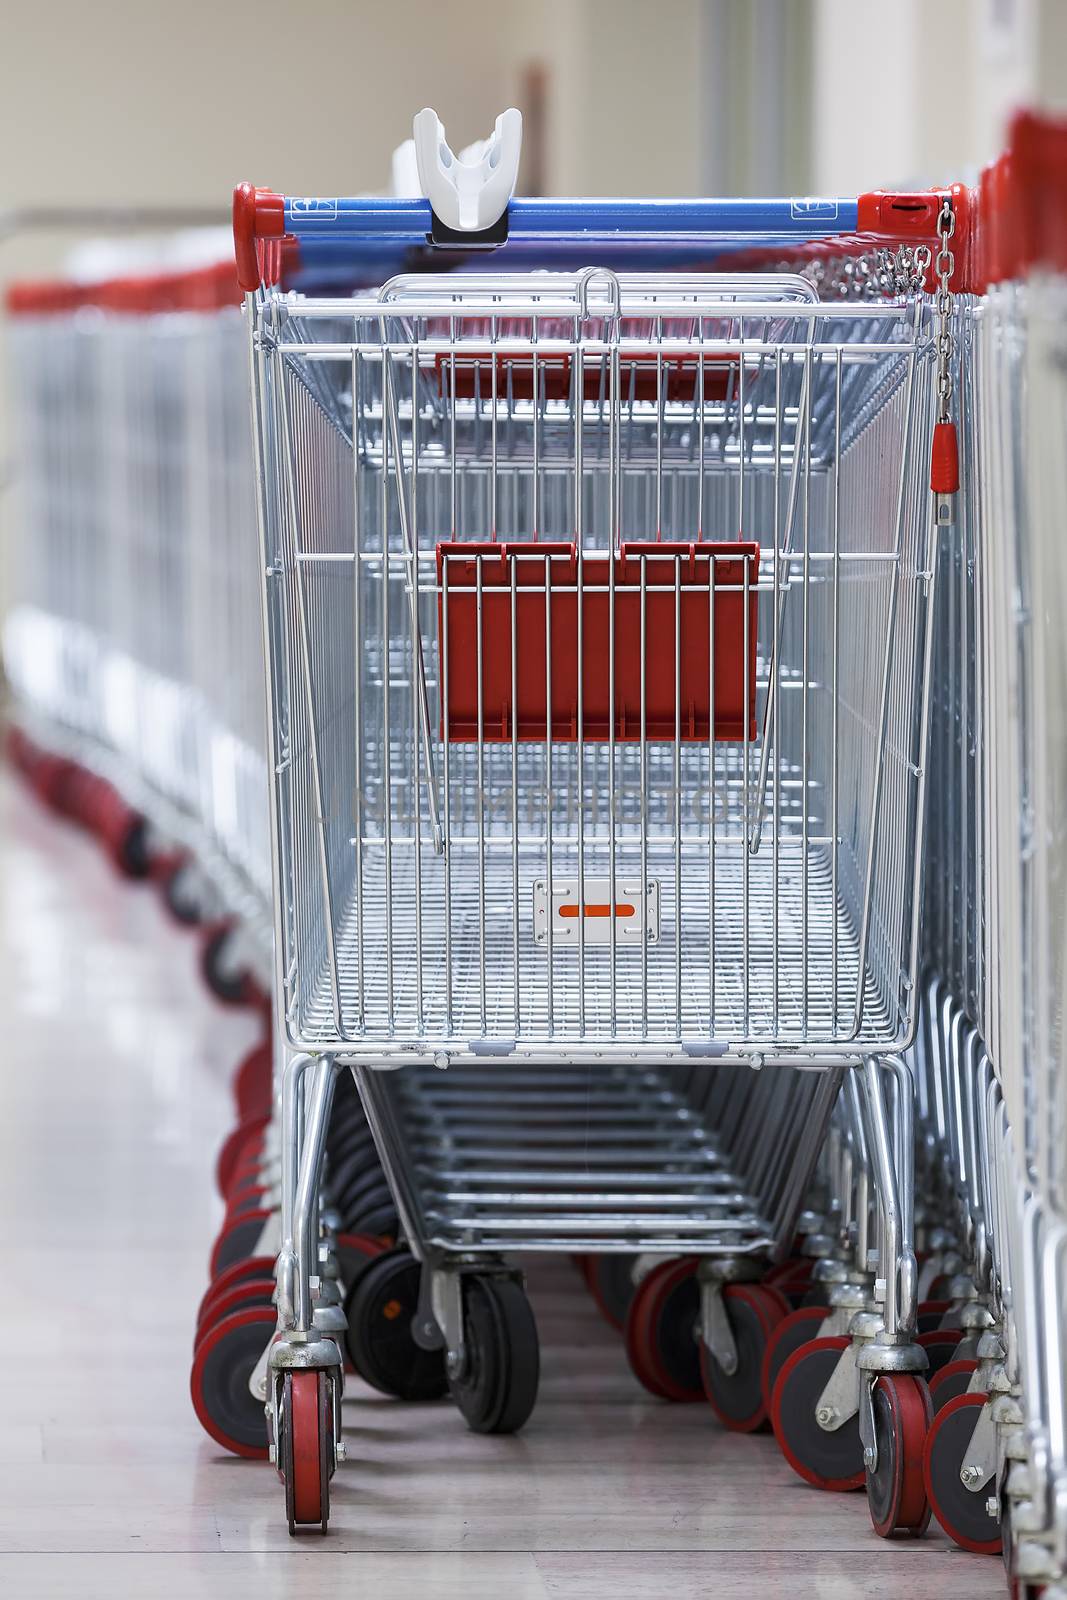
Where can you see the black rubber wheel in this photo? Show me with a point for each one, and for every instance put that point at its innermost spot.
(950, 1382)
(362, 1194)
(610, 1280)
(224, 1361)
(737, 1397)
(355, 1164)
(896, 1492)
(826, 1460)
(941, 1346)
(178, 895)
(797, 1329)
(380, 1307)
(355, 1141)
(237, 1240)
(961, 1511)
(381, 1222)
(497, 1390)
(227, 986)
(930, 1315)
(132, 854)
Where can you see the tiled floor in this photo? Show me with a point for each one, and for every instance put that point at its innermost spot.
(115, 1067)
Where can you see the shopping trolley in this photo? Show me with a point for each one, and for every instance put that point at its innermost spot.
(991, 1073)
(599, 618)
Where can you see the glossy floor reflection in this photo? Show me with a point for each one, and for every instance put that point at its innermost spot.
(115, 1097)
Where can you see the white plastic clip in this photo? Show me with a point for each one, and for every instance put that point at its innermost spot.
(469, 193)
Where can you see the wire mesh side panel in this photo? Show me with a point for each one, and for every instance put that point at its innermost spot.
(1044, 844)
(753, 885)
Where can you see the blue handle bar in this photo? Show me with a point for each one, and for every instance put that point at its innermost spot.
(409, 221)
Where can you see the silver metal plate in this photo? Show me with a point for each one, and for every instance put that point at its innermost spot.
(566, 912)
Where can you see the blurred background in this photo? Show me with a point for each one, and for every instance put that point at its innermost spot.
(133, 102)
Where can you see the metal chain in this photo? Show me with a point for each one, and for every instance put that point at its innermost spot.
(944, 265)
(872, 276)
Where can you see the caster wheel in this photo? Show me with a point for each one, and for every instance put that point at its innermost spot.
(950, 1382)
(961, 1512)
(611, 1284)
(381, 1222)
(380, 1306)
(366, 1194)
(355, 1139)
(737, 1398)
(662, 1331)
(796, 1269)
(929, 1315)
(250, 1197)
(940, 1346)
(240, 1272)
(497, 1388)
(815, 1295)
(800, 1327)
(238, 1240)
(827, 1460)
(253, 1292)
(896, 1493)
(224, 1361)
(357, 1162)
(252, 1084)
(355, 1252)
(226, 984)
(178, 892)
(306, 1448)
(238, 1143)
(123, 833)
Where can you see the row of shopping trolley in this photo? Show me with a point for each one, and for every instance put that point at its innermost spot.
(651, 845)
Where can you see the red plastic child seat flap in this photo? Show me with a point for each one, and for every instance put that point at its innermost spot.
(702, 583)
(641, 377)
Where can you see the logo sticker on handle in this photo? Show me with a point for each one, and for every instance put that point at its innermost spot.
(809, 209)
(313, 209)
(569, 914)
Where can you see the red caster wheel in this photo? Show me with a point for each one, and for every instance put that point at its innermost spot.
(355, 1251)
(497, 1388)
(238, 1142)
(233, 985)
(56, 782)
(240, 1272)
(237, 1240)
(252, 1292)
(792, 1279)
(173, 875)
(736, 1398)
(306, 1448)
(828, 1460)
(896, 1493)
(661, 1334)
(611, 1284)
(950, 1381)
(930, 1313)
(962, 1512)
(795, 1270)
(252, 1083)
(940, 1345)
(800, 1327)
(122, 831)
(380, 1306)
(225, 1360)
(250, 1197)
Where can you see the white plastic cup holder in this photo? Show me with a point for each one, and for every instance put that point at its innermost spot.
(469, 193)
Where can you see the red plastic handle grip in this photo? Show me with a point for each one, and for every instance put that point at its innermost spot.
(944, 459)
(258, 228)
